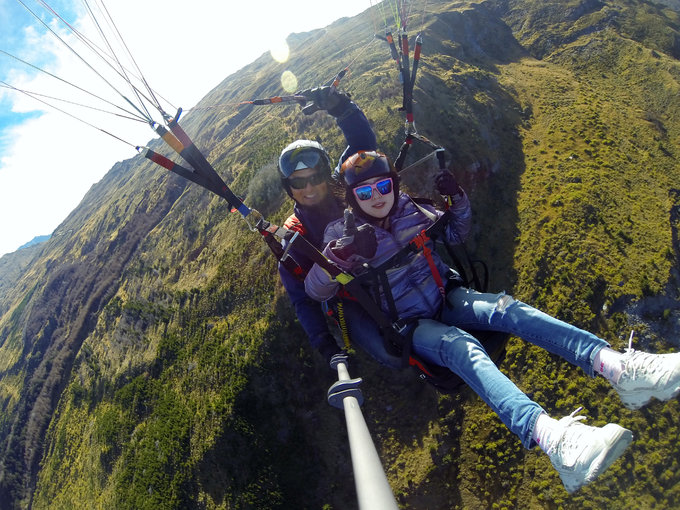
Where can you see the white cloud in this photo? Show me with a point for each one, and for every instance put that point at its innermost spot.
(38, 189)
(184, 50)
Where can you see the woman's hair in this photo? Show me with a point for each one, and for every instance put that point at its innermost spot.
(338, 190)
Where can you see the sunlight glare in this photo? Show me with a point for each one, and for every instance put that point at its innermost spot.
(280, 51)
(289, 81)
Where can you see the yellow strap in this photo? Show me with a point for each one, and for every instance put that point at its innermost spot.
(343, 325)
(344, 278)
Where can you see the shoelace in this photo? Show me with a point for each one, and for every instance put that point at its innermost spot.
(639, 362)
(569, 420)
(632, 352)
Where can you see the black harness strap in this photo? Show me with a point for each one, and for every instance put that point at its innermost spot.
(384, 283)
(375, 279)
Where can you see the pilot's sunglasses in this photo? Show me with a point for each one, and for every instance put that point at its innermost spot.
(365, 192)
(301, 182)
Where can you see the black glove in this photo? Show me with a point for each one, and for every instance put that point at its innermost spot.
(325, 98)
(447, 184)
(355, 241)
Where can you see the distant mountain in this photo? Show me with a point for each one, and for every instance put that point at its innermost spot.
(36, 240)
(149, 358)
(13, 265)
(12, 268)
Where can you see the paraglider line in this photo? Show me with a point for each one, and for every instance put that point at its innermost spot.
(4, 84)
(147, 116)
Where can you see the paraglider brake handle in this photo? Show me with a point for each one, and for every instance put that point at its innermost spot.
(169, 119)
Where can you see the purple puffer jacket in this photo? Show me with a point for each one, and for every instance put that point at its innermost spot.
(414, 289)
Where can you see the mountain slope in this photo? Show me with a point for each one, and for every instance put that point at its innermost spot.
(150, 359)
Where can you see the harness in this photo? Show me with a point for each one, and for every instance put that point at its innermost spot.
(365, 288)
(396, 331)
(375, 280)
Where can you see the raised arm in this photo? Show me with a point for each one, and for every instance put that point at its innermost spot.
(350, 119)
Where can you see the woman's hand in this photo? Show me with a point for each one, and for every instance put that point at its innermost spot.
(355, 241)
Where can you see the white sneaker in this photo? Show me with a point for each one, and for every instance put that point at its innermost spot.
(583, 452)
(648, 375)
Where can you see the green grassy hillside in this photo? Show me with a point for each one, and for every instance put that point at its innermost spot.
(149, 357)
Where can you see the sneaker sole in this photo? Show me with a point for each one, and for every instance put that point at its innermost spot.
(616, 444)
(636, 399)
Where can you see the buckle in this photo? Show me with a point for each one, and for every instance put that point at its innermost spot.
(400, 325)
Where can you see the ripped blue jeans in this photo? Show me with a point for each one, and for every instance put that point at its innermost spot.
(443, 343)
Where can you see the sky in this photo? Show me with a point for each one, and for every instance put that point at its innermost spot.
(48, 159)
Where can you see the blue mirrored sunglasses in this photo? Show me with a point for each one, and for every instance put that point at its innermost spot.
(365, 192)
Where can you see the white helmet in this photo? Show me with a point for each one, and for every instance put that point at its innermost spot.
(303, 154)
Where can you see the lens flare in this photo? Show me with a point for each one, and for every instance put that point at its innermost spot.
(289, 81)
(280, 51)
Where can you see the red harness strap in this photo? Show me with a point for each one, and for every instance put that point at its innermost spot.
(420, 242)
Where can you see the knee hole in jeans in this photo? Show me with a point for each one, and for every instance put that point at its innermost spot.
(504, 302)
